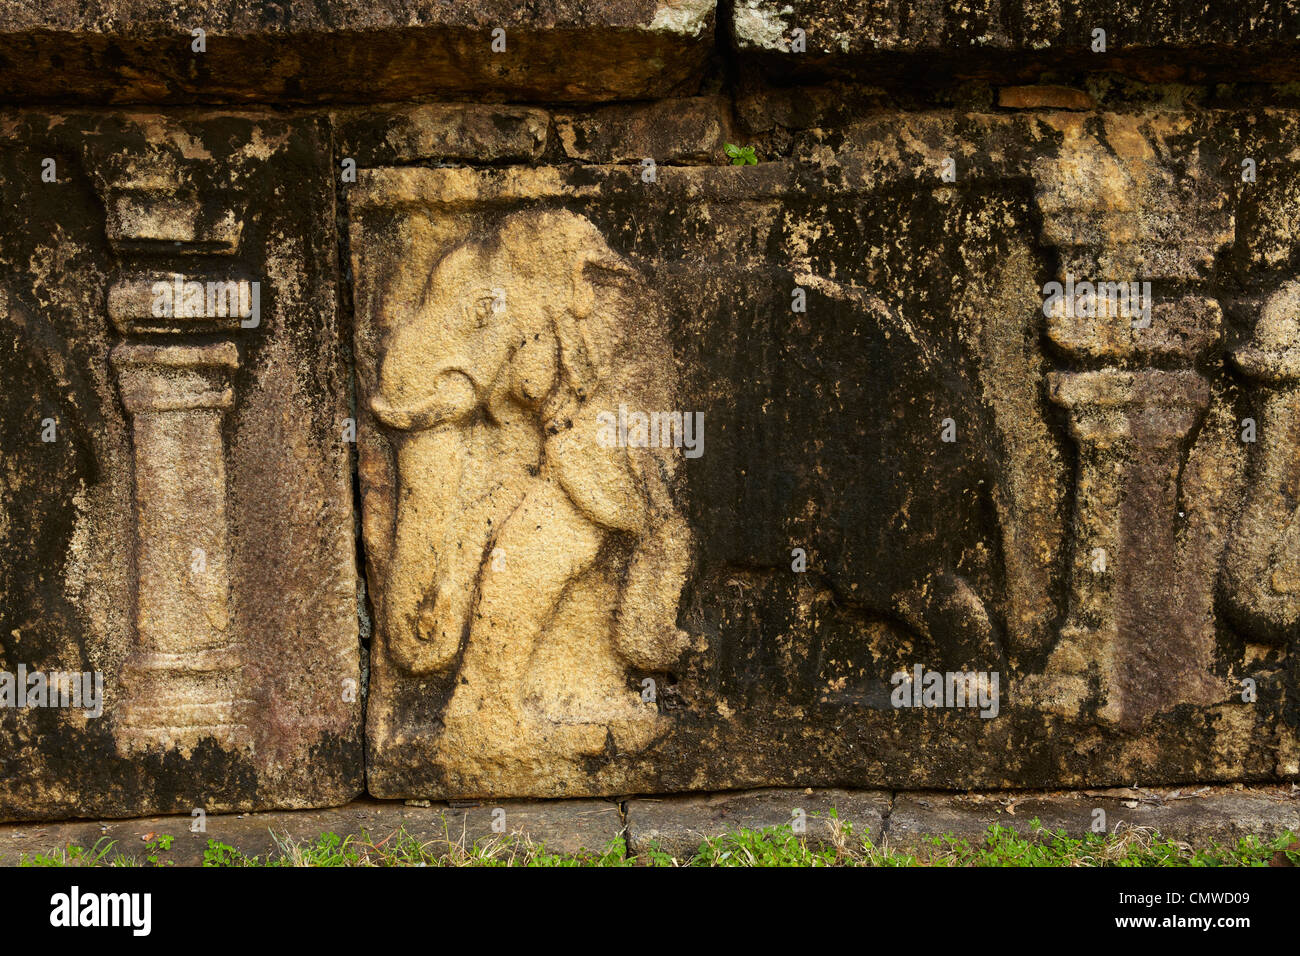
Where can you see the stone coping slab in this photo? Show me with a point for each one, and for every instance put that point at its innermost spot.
(341, 50)
(563, 826)
(677, 825)
(149, 51)
(936, 43)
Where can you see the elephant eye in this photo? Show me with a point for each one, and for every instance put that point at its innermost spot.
(485, 306)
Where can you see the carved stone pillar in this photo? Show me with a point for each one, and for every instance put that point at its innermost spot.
(1125, 629)
(178, 275)
(181, 683)
(1131, 218)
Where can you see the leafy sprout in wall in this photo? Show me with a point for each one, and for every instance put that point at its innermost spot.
(740, 155)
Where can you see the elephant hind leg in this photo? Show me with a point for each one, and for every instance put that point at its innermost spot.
(645, 631)
(947, 612)
(543, 546)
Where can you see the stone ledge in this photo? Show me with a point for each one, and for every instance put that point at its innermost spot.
(1193, 814)
(677, 825)
(339, 51)
(563, 826)
(587, 51)
(935, 43)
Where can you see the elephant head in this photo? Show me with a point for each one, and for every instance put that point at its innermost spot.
(493, 386)
(495, 316)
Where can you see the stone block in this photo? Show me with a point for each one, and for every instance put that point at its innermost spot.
(939, 43)
(176, 543)
(217, 51)
(935, 524)
(1195, 815)
(561, 826)
(670, 131)
(678, 825)
(442, 132)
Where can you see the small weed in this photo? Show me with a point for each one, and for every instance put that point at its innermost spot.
(220, 854)
(96, 855)
(160, 845)
(740, 155)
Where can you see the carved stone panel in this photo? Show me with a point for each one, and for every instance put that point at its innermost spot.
(176, 524)
(556, 558)
(905, 463)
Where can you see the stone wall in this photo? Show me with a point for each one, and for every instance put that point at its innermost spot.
(427, 401)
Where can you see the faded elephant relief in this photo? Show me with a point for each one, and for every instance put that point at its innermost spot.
(539, 566)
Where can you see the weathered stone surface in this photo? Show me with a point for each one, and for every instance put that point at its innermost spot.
(936, 42)
(1195, 815)
(341, 50)
(177, 518)
(1068, 540)
(1044, 97)
(442, 132)
(1261, 572)
(670, 131)
(989, 365)
(678, 825)
(561, 826)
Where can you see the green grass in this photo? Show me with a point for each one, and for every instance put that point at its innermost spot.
(773, 846)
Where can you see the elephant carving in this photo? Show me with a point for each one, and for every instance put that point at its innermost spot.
(1261, 577)
(1260, 582)
(535, 562)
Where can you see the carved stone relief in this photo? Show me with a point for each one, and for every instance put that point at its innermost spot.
(1129, 632)
(683, 483)
(1068, 539)
(537, 565)
(191, 426)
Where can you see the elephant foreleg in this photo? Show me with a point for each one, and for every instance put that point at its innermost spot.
(544, 545)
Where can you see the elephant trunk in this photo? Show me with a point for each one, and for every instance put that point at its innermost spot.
(429, 465)
(448, 397)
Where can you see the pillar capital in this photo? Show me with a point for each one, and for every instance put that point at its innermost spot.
(1109, 405)
(158, 378)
